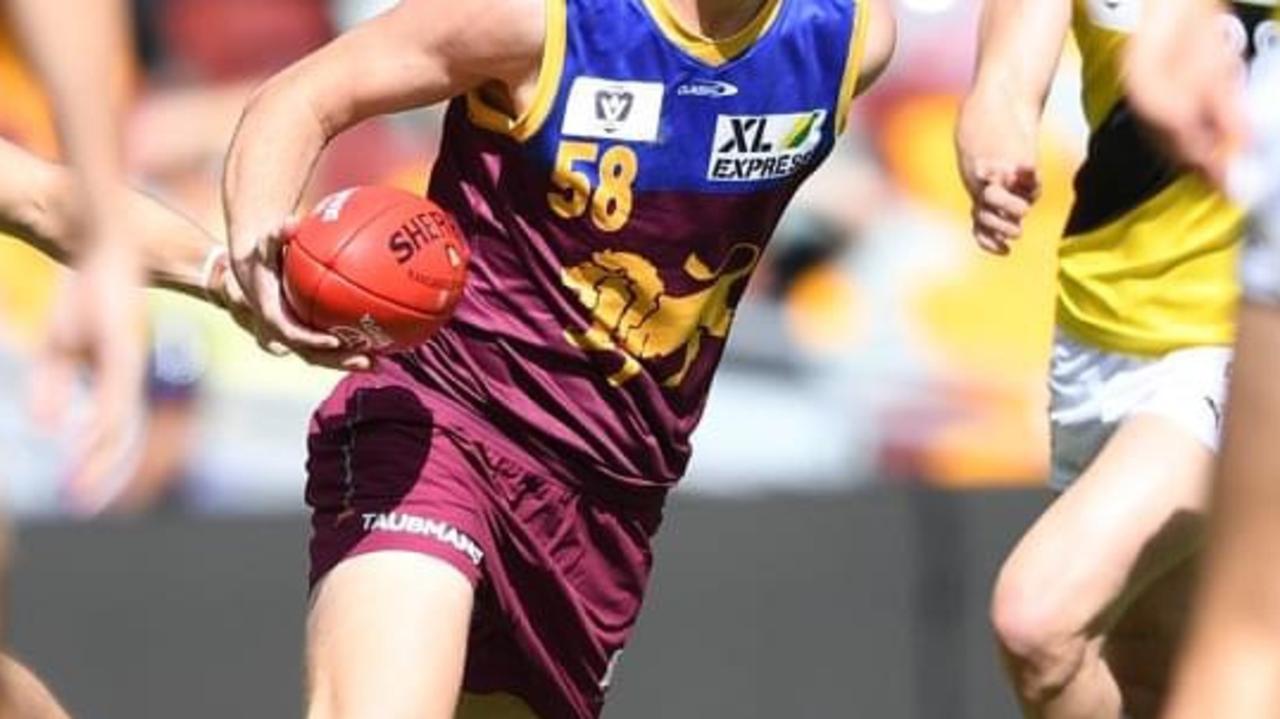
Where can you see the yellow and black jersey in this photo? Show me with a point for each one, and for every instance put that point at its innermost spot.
(1148, 264)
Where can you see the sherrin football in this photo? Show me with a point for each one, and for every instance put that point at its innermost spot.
(382, 269)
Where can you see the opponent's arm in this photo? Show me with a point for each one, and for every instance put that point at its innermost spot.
(1185, 82)
(39, 204)
(78, 49)
(1019, 44)
(881, 40)
(419, 53)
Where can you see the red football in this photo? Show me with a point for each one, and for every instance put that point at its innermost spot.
(380, 268)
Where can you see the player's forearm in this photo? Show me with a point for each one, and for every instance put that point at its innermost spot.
(271, 158)
(39, 203)
(79, 48)
(1020, 42)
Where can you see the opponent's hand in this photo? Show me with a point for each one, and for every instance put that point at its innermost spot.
(1002, 198)
(257, 273)
(98, 322)
(996, 154)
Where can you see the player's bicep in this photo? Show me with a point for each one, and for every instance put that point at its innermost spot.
(419, 53)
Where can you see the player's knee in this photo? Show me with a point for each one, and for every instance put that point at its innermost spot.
(1044, 653)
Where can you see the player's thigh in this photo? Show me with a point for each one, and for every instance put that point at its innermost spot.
(1130, 516)
(386, 638)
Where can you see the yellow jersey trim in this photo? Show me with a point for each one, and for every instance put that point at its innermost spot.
(530, 121)
(853, 66)
(711, 51)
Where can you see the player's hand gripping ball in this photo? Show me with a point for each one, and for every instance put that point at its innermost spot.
(381, 269)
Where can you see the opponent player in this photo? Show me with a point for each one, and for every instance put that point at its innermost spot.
(78, 51)
(72, 44)
(483, 506)
(1087, 607)
(1181, 85)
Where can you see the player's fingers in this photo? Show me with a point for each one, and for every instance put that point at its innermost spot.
(101, 450)
(1012, 205)
(994, 223)
(990, 243)
(53, 378)
(279, 323)
(1026, 184)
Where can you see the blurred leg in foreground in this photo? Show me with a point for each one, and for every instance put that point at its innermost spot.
(1232, 665)
(1179, 84)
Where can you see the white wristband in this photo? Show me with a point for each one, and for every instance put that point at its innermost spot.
(215, 263)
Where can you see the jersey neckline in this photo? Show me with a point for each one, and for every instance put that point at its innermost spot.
(712, 52)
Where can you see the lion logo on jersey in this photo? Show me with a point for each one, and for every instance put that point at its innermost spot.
(634, 316)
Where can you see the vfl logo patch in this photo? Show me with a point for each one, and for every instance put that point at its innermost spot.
(706, 88)
(613, 109)
(764, 147)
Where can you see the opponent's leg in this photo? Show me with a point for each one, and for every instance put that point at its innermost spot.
(386, 638)
(1128, 519)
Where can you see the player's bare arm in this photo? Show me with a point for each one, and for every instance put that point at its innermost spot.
(39, 205)
(1020, 42)
(1184, 80)
(881, 40)
(417, 54)
(80, 50)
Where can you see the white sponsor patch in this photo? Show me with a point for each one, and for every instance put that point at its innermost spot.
(613, 109)
(430, 528)
(1119, 15)
(764, 147)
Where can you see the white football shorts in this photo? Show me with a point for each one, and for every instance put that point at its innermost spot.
(1094, 390)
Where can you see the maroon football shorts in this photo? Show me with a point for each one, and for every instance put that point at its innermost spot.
(559, 572)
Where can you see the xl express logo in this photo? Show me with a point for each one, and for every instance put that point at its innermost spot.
(764, 147)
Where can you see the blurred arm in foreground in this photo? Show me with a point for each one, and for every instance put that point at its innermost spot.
(1186, 83)
(1185, 80)
(79, 50)
(996, 135)
(38, 205)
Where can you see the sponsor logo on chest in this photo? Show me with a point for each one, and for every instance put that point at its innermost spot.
(764, 147)
(613, 109)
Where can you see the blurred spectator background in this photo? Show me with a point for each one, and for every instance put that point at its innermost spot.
(876, 345)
